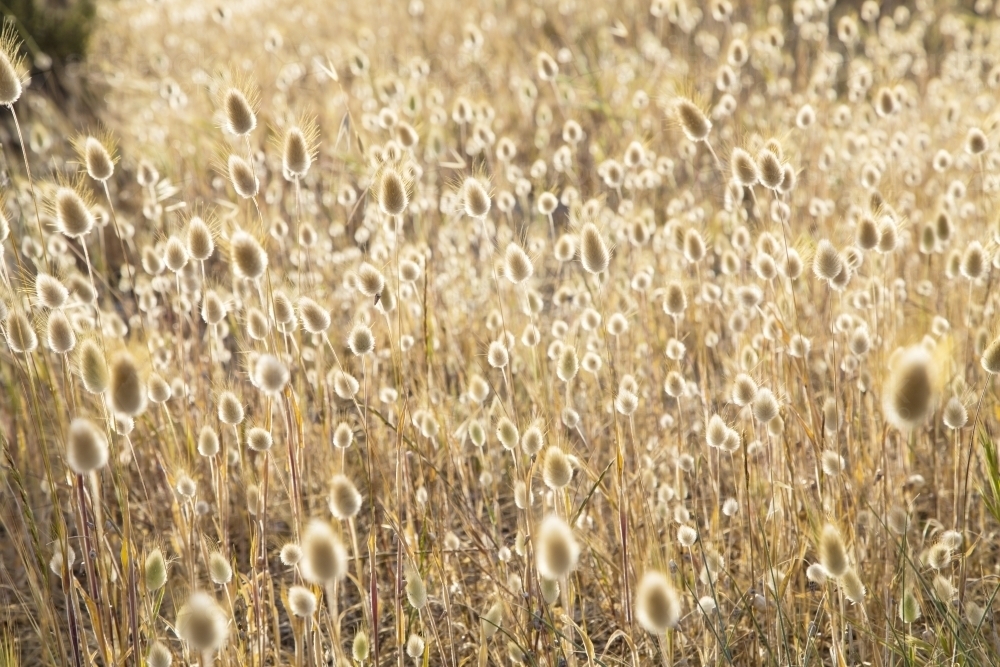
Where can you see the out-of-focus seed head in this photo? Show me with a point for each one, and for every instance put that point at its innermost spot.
(594, 254)
(345, 501)
(370, 281)
(159, 655)
(832, 552)
(86, 447)
(325, 559)
(557, 470)
(657, 605)
(242, 176)
(908, 394)
(247, 257)
(270, 374)
(12, 71)
(475, 198)
(202, 623)
(391, 191)
(301, 601)
(556, 549)
(126, 390)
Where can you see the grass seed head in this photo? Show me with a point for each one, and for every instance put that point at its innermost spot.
(556, 549)
(325, 559)
(657, 605)
(126, 390)
(202, 623)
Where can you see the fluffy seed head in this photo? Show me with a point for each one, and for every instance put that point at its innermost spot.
(492, 619)
(60, 336)
(97, 159)
(517, 265)
(507, 433)
(556, 549)
(687, 536)
(744, 389)
(548, 68)
(219, 569)
(744, 169)
(973, 261)
(532, 441)
(86, 447)
(291, 554)
(208, 442)
(296, 158)
(568, 364)
(593, 251)
(391, 192)
(92, 366)
(674, 300)
(200, 243)
(241, 174)
(557, 470)
(832, 552)
(247, 257)
(764, 406)
(975, 142)
(359, 647)
(361, 340)
(657, 605)
(270, 374)
(175, 254)
(11, 80)
(343, 436)
(497, 355)
(126, 390)
(240, 117)
(955, 415)
(475, 198)
(867, 234)
(158, 389)
(770, 169)
(716, 431)
(908, 395)
(230, 408)
(827, 262)
(73, 216)
(315, 318)
(202, 623)
(414, 646)
(159, 655)
(854, 589)
(370, 282)
(301, 601)
(259, 439)
(345, 501)
(990, 361)
(565, 248)
(325, 557)
(909, 607)
(416, 592)
(155, 571)
(692, 119)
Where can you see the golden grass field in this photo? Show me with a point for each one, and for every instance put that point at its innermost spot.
(551, 332)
